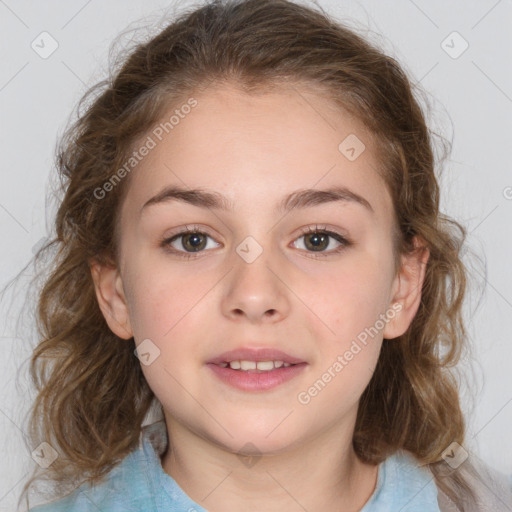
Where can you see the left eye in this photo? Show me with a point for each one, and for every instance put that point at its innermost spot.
(318, 240)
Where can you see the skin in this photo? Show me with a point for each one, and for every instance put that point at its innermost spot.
(255, 150)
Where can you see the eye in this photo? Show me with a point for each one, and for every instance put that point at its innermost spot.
(318, 239)
(190, 240)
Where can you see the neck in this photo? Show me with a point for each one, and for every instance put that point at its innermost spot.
(308, 476)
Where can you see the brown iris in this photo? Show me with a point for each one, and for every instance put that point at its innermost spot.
(319, 241)
(193, 242)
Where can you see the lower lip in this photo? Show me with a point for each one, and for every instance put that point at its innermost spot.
(264, 381)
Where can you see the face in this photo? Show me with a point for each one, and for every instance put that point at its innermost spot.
(311, 281)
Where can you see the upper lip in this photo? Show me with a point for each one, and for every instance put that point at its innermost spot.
(254, 354)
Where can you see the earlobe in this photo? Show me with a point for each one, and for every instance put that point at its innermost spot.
(408, 284)
(109, 290)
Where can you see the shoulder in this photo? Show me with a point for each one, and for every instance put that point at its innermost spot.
(116, 493)
(492, 489)
(403, 484)
(128, 486)
(63, 505)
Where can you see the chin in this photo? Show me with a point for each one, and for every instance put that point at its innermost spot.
(256, 442)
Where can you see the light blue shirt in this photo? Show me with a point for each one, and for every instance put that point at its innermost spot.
(139, 484)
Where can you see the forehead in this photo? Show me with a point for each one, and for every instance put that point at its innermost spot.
(254, 149)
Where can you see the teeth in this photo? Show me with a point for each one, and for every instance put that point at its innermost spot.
(247, 365)
(264, 365)
(253, 365)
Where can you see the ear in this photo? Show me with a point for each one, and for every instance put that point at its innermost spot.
(111, 299)
(407, 287)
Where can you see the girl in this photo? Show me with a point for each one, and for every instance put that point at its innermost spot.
(250, 241)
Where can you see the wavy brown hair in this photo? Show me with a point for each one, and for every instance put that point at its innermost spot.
(92, 397)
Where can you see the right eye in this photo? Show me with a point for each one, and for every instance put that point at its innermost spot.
(187, 242)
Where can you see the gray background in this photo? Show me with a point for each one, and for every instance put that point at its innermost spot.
(471, 100)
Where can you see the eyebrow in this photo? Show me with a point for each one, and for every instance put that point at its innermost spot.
(304, 198)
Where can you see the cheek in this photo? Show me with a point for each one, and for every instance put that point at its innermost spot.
(350, 305)
(349, 298)
(158, 307)
(173, 310)
(168, 312)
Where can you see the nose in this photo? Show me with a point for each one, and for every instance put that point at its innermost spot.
(256, 292)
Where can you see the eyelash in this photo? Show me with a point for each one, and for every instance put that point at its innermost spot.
(309, 230)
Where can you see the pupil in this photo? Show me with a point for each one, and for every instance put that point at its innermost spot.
(317, 240)
(197, 243)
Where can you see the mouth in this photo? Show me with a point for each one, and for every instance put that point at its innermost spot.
(255, 366)
(256, 369)
(263, 359)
